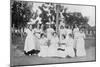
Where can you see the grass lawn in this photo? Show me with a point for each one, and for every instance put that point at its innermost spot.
(18, 45)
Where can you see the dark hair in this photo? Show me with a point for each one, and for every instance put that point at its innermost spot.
(82, 28)
(42, 35)
(66, 26)
(75, 25)
(61, 26)
(64, 36)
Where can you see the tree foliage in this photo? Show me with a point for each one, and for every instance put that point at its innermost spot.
(44, 15)
(20, 13)
(75, 18)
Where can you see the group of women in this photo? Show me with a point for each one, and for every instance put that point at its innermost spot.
(68, 43)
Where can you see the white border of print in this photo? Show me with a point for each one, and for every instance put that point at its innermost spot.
(5, 33)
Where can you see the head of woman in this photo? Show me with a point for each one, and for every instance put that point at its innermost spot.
(63, 37)
(29, 26)
(69, 27)
(81, 29)
(42, 35)
(54, 34)
(66, 26)
(62, 27)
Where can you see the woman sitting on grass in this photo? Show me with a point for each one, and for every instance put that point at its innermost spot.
(43, 46)
(52, 50)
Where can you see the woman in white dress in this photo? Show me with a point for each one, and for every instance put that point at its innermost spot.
(75, 33)
(49, 32)
(62, 31)
(62, 48)
(68, 30)
(38, 32)
(75, 29)
(69, 46)
(43, 46)
(30, 40)
(52, 51)
(66, 47)
(80, 46)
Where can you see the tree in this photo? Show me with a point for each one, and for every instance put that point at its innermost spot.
(20, 13)
(73, 18)
(46, 10)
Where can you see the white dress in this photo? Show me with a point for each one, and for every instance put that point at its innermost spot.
(76, 34)
(29, 41)
(49, 33)
(62, 32)
(69, 47)
(68, 31)
(62, 46)
(52, 51)
(37, 34)
(43, 48)
(80, 46)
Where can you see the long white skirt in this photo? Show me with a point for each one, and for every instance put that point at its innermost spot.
(61, 53)
(52, 50)
(43, 51)
(75, 42)
(49, 36)
(37, 43)
(68, 51)
(80, 47)
(29, 43)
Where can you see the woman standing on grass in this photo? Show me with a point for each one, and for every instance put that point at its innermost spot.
(75, 33)
(68, 30)
(30, 40)
(49, 32)
(80, 47)
(38, 32)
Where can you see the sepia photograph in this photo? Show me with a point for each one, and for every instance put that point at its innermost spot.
(44, 33)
